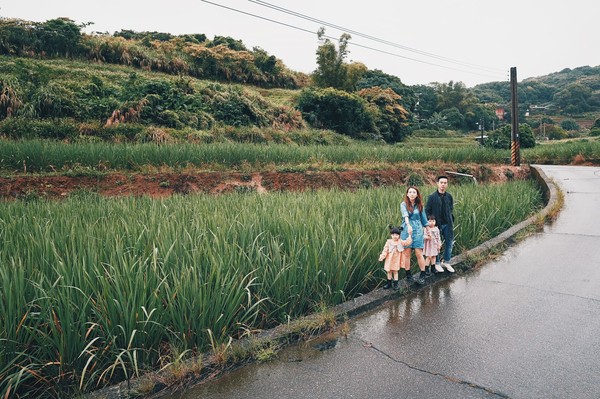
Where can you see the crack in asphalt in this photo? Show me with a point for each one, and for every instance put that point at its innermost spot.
(541, 290)
(574, 234)
(446, 377)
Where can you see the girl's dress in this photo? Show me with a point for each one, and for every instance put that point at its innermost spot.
(417, 220)
(433, 243)
(392, 253)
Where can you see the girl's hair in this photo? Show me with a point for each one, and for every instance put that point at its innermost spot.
(418, 200)
(431, 217)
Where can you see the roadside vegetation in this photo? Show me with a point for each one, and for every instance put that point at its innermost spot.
(105, 296)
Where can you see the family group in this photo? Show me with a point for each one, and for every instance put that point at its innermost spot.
(425, 228)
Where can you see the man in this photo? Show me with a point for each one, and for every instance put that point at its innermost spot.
(441, 205)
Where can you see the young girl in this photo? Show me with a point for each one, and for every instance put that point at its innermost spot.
(393, 255)
(433, 244)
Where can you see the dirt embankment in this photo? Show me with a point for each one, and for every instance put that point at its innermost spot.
(165, 184)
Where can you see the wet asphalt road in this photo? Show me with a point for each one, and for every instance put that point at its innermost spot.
(526, 325)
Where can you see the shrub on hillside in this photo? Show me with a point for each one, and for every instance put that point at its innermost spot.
(391, 119)
(555, 133)
(569, 124)
(337, 110)
(501, 138)
(21, 128)
(235, 107)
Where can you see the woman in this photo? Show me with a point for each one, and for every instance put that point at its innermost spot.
(413, 221)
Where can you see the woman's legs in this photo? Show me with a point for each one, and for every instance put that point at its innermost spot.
(406, 260)
(420, 258)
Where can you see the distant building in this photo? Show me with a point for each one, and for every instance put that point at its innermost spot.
(500, 112)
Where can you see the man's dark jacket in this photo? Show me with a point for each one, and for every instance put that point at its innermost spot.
(434, 207)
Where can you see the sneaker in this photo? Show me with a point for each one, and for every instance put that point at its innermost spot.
(439, 268)
(448, 267)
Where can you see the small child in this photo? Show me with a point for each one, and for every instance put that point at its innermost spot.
(433, 244)
(393, 256)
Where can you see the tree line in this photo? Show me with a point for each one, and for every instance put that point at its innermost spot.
(342, 96)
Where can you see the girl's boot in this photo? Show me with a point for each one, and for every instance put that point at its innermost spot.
(395, 285)
(388, 285)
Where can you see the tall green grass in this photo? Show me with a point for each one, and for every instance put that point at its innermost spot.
(96, 291)
(46, 156)
(564, 152)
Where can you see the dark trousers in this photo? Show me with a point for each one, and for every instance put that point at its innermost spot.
(447, 235)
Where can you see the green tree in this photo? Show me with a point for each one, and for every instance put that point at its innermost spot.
(377, 78)
(453, 117)
(59, 37)
(337, 110)
(501, 138)
(437, 121)
(455, 95)
(230, 42)
(481, 116)
(573, 99)
(425, 102)
(354, 72)
(389, 115)
(331, 70)
(569, 124)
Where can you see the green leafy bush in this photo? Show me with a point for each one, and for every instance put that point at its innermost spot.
(391, 118)
(21, 128)
(569, 124)
(501, 138)
(336, 110)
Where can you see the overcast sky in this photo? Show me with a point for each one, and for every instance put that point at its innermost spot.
(472, 41)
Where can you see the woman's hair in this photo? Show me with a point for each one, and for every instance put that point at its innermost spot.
(418, 200)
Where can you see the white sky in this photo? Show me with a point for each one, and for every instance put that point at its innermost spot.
(539, 38)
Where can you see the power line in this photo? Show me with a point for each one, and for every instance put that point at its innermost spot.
(350, 43)
(366, 36)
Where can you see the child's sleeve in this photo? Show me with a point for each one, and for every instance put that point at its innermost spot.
(384, 252)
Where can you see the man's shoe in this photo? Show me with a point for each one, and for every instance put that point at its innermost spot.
(448, 267)
(439, 268)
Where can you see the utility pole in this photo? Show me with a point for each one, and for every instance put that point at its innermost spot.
(515, 141)
(481, 127)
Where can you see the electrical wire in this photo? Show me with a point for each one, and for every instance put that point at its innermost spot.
(350, 43)
(366, 36)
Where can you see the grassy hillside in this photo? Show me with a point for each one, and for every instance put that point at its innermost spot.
(70, 99)
(570, 91)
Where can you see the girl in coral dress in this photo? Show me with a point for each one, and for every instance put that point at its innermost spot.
(433, 244)
(393, 255)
